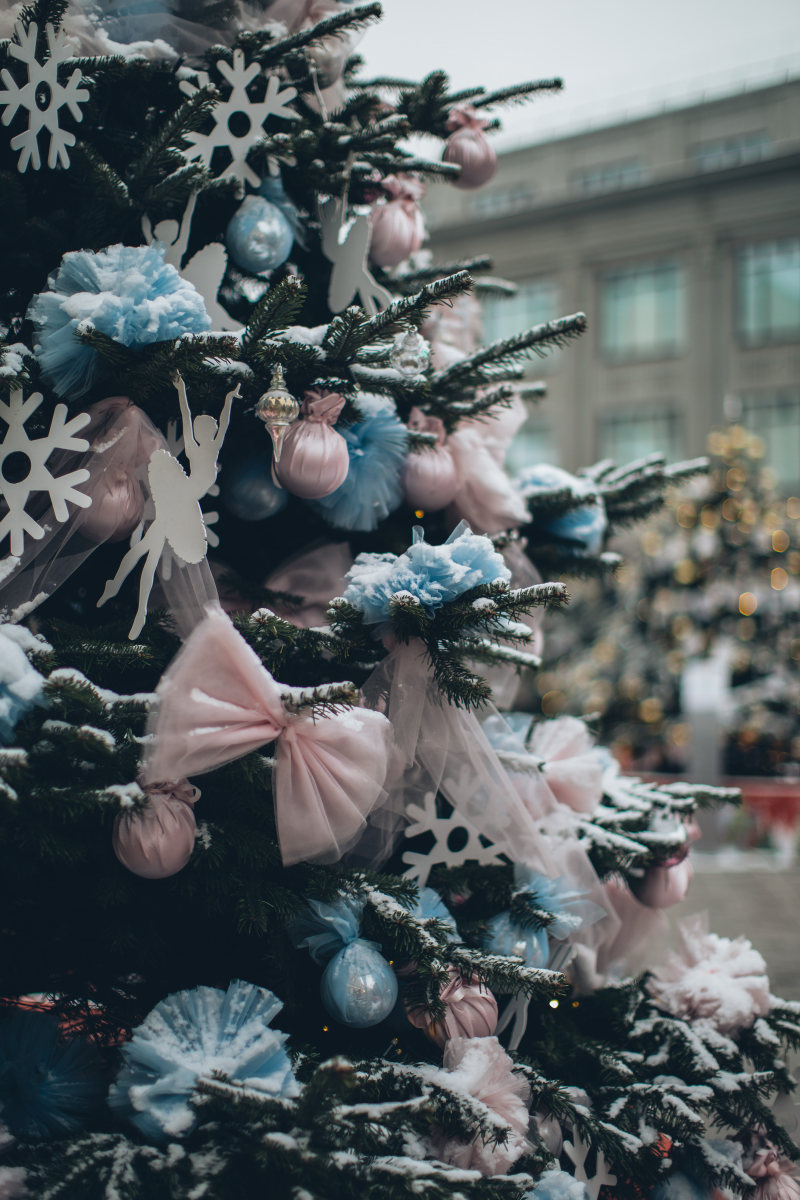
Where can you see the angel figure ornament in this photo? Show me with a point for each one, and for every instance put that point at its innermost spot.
(345, 243)
(176, 518)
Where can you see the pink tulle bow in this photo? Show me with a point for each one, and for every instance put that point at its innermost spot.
(314, 460)
(217, 702)
(431, 478)
(573, 771)
(465, 116)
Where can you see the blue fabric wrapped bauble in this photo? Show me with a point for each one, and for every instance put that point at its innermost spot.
(248, 490)
(259, 237)
(48, 1087)
(583, 528)
(126, 292)
(20, 684)
(558, 1185)
(680, 1187)
(358, 986)
(377, 448)
(193, 1034)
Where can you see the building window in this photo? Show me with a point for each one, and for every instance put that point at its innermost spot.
(532, 444)
(500, 202)
(609, 177)
(533, 303)
(642, 312)
(718, 153)
(775, 418)
(768, 292)
(625, 437)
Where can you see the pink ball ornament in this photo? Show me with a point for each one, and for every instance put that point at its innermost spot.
(469, 148)
(398, 228)
(664, 884)
(314, 460)
(471, 1011)
(157, 841)
(431, 479)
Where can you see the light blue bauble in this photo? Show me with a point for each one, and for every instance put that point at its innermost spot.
(583, 527)
(248, 490)
(259, 237)
(358, 986)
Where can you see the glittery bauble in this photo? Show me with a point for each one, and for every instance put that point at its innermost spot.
(471, 1011)
(410, 353)
(249, 491)
(259, 237)
(277, 408)
(157, 841)
(358, 986)
(117, 508)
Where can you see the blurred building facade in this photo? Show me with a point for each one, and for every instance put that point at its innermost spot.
(678, 234)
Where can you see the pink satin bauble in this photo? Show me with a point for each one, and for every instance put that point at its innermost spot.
(431, 478)
(471, 1011)
(314, 460)
(157, 841)
(398, 227)
(470, 149)
(117, 507)
(663, 885)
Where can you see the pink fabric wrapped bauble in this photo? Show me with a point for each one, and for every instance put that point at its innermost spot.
(157, 841)
(117, 507)
(664, 885)
(431, 478)
(314, 461)
(469, 147)
(398, 228)
(471, 1011)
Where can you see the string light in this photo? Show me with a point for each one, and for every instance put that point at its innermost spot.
(780, 541)
(419, 513)
(554, 1004)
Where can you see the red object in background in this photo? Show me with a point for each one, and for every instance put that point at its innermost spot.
(87, 1020)
(774, 802)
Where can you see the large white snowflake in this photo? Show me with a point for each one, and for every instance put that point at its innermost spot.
(455, 841)
(23, 467)
(43, 97)
(238, 120)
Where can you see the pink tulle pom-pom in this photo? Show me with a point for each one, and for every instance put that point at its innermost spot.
(471, 1011)
(157, 841)
(469, 148)
(431, 478)
(398, 228)
(314, 460)
(664, 884)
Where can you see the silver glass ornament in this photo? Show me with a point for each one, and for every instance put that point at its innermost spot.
(278, 409)
(410, 353)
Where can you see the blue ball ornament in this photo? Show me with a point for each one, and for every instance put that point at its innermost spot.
(259, 236)
(249, 491)
(358, 986)
(48, 1086)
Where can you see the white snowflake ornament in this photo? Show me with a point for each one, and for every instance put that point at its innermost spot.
(42, 96)
(447, 832)
(24, 469)
(238, 120)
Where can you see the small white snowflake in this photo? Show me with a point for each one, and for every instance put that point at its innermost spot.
(238, 120)
(31, 455)
(43, 97)
(425, 819)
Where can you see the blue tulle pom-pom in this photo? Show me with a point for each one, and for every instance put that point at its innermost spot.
(581, 529)
(127, 292)
(192, 1034)
(374, 485)
(558, 1185)
(48, 1087)
(434, 575)
(20, 684)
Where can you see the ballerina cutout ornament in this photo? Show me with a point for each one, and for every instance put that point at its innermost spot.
(176, 519)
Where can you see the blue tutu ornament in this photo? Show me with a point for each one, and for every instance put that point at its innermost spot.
(581, 529)
(434, 575)
(358, 986)
(48, 1087)
(127, 292)
(21, 684)
(189, 1036)
(569, 908)
(558, 1185)
(377, 448)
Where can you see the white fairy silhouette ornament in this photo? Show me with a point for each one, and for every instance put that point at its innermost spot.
(177, 519)
(345, 243)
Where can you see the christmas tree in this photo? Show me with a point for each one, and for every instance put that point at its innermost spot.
(290, 908)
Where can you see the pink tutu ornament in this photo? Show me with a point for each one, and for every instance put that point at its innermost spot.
(157, 841)
(471, 1011)
(314, 461)
(469, 147)
(664, 884)
(398, 228)
(431, 478)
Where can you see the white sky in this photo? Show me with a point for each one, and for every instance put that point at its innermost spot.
(614, 55)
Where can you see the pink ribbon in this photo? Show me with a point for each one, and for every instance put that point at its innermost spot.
(217, 702)
(465, 116)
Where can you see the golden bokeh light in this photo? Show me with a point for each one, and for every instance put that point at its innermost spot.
(780, 541)
(778, 579)
(747, 604)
